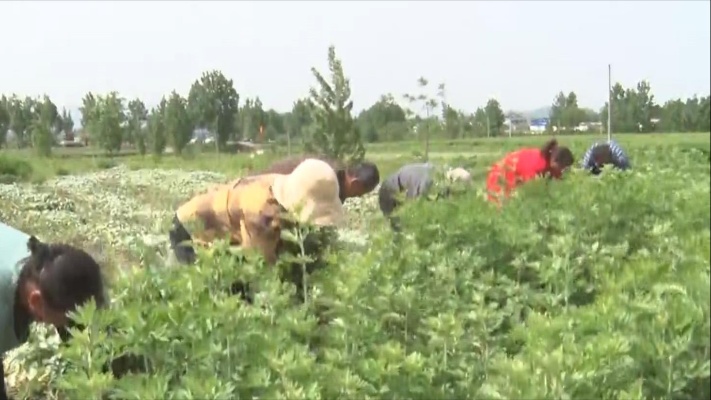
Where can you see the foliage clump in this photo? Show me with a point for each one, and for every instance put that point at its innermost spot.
(587, 288)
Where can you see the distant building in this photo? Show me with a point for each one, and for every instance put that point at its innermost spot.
(539, 125)
(516, 123)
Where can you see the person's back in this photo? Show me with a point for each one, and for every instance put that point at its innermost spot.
(288, 165)
(226, 211)
(601, 154)
(413, 179)
(525, 164)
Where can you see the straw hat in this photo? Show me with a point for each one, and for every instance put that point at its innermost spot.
(312, 186)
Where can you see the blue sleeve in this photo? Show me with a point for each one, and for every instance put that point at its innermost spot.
(587, 162)
(619, 158)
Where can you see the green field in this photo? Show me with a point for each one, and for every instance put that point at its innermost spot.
(591, 287)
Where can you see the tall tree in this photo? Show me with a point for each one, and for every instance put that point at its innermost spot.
(333, 131)
(482, 126)
(107, 123)
(4, 119)
(213, 103)
(177, 122)
(423, 101)
(384, 120)
(495, 116)
(299, 119)
(67, 125)
(136, 120)
(89, 115)
(20, 112)
(157, 138)
(42, 125)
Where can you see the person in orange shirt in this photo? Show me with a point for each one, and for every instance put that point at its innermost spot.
(525, 164)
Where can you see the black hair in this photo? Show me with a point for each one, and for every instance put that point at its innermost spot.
(602, 154)
(560, 154)
(365, 172)
(67, 276)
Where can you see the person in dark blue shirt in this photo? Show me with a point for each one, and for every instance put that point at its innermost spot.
(601, 154)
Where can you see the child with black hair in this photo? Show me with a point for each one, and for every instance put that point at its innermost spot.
(601, 154)
(523, 165)
(41, 282)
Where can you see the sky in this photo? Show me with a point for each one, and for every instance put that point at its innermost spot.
(521, 53)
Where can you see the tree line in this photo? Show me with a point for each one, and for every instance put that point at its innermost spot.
(322, 121)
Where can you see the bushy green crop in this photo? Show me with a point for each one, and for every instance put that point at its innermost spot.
(593, 287)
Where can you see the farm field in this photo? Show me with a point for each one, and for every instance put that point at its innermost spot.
(584, 288)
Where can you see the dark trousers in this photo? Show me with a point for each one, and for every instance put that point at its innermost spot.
(179, 242)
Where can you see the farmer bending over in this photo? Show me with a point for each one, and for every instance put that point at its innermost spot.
(459, 174)
(248, 211)
(414, 180)
(354, 180)
(523, 165)
(600, 154)
(41, 282)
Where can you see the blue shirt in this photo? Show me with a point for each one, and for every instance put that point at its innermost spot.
(619, 158)
(13, 248)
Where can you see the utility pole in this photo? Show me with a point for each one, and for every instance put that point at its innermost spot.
(609, 102)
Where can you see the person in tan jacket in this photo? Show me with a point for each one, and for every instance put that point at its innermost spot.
(354, 180)
(249, 211)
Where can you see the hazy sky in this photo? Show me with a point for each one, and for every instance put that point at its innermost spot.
(521, 53)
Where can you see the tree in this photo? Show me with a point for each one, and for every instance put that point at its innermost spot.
(177, 122)
(259, 119)
(384, 120)
(136, 120)
(213, 104)
(107, 119)
(67, 125)
(481, 123)
(4, 120)
(424, 102)
(451, 121)
(20, 117)
(643, 107)
(494, 115)
(275, 124)
(333, 130)
(246, 125)
(300, 118)
(632, 109)
(565, 113)
(88, 112)
(42, 125)
(157, 139)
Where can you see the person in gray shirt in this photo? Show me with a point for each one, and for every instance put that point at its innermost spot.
(415, 180)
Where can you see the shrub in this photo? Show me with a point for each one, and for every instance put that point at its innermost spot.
(13, 169)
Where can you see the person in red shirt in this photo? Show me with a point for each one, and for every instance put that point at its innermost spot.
(523, 165)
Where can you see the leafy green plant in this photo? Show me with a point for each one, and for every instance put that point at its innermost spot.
(591, 287)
